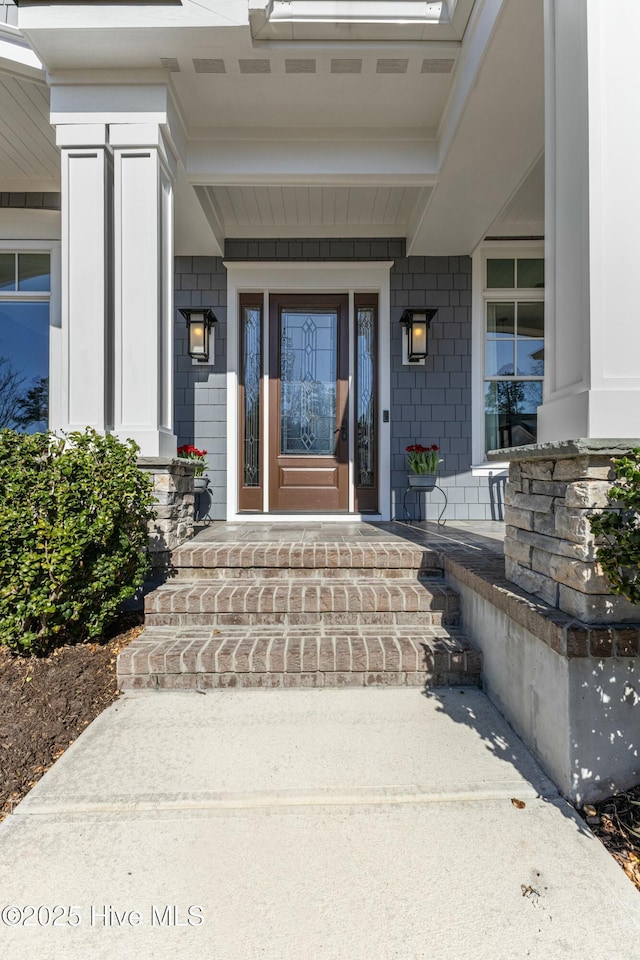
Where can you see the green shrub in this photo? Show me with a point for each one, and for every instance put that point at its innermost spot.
(618, 529)
(73, 535)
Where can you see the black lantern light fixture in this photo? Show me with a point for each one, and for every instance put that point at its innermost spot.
(199, 324)
(416, 324)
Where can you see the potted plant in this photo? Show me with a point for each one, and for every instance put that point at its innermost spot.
(188, 452)
(423, 462)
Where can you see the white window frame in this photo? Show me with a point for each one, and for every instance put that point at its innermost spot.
(52, 247)
(503, 249)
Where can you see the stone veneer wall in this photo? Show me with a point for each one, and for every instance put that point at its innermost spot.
(173, 490)
(549, 548)
(431, 403)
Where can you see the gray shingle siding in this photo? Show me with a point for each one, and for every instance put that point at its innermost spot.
(430, 403)
(200, 405)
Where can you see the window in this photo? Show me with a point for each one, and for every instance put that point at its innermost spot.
(25, 290)
(513, 348)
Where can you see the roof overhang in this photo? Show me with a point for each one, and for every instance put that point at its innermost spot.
(426, 139)
(16, 56)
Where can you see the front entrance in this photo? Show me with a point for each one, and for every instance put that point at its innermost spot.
(307, 403)
(308, 391)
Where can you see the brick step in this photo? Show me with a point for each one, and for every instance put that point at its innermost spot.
(278, 555)
(300, 573)
(302, 602)
(200, 658)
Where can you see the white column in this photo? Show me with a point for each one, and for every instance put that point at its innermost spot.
(80, 364)
(143, 287)
(592, 76)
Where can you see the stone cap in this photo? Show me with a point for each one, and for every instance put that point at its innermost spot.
(566, 449)
(484, 573)
(160, 463)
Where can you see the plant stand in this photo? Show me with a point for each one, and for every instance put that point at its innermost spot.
(425, 489)
(202, 500)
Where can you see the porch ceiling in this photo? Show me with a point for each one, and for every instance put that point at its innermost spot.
(224, 78)
(29, 158)
(523, 215)
(424, 138)
(274, 211)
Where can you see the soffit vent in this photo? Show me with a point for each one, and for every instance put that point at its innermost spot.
(209, 66)
(346, 66)
(170, 64)
(300, 66)
(255, 66)
(392, 66)
(437, 66)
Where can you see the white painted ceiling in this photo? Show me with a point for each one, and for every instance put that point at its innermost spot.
(362, 88)
(523, 214)
(29, 158)
(275, 211)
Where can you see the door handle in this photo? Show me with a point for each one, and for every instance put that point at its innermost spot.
(343, 432)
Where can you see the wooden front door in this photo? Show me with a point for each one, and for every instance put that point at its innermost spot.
(308, 390)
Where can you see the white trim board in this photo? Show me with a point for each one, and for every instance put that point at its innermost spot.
(309, 277)
(302, 518)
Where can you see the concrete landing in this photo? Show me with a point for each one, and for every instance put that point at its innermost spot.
(333, 824)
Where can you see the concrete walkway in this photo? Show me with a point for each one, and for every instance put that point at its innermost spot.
(299, 824)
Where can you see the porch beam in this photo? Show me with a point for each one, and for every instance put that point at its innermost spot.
(492, 132)
(338, 162)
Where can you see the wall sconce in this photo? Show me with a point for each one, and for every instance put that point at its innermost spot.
(416, 325)
(199, 327)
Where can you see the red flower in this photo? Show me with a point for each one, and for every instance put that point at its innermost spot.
(188, 450)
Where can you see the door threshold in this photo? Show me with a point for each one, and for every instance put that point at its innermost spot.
(306, 517)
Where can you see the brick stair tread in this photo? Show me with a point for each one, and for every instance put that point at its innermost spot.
(309, 595)
(296, 613)
(297, 554)
(287, 656)
(339, 574)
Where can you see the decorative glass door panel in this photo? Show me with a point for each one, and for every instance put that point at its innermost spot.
(308, 422)
(251, 402)
(308, 369)
(366, 360)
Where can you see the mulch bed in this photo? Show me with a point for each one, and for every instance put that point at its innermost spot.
(46, 703)
(616, 822)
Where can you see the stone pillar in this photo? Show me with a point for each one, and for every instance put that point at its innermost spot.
(173, 490)
(80, 388)
(549, 548)
(592, 356)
